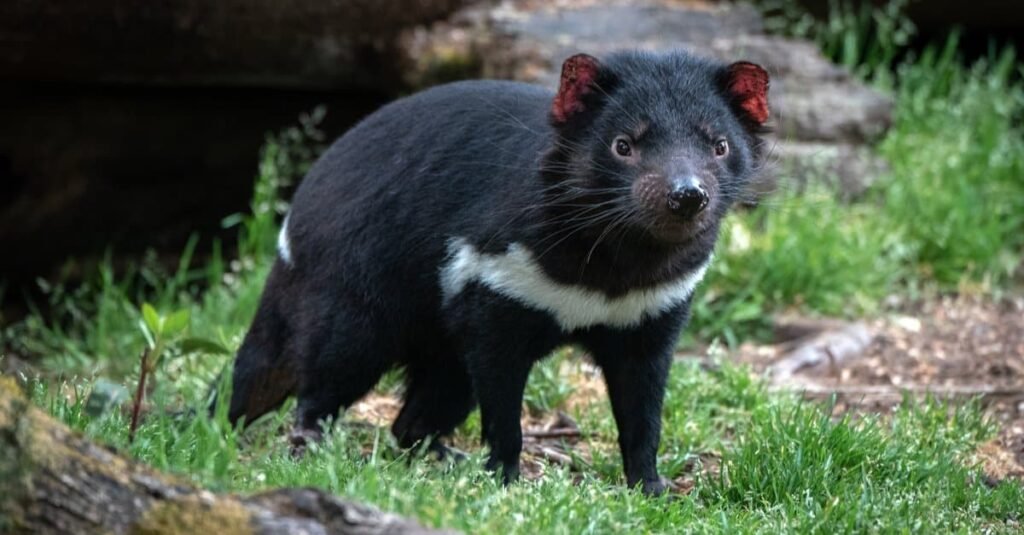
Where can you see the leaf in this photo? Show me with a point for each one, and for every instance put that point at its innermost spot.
(152, 319)
(150, 342)
(203, 345)
(176, 322)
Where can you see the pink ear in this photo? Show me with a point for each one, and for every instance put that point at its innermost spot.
(578, 74)
(748, 84)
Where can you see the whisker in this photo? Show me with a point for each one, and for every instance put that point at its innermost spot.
(571, 231)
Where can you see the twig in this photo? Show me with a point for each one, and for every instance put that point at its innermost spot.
(139, 393)
(548, 454)
(553, 433)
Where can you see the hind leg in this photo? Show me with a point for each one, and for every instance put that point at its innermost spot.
(263, 375)
(336, 372)
(438, 397)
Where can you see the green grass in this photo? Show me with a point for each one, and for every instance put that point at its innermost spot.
(786, 466)
(806, 252)
(957, 155)
(864, 37)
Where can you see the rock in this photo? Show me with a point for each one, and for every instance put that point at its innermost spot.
(847, 169)
(830, 111)
(823, 118)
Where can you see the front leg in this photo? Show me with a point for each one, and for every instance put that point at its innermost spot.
(635, 364)
(499, 379)
(500, 341)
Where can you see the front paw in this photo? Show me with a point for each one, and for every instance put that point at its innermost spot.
(446, 453)
(651, 487)
(301, 438)
(509, 470)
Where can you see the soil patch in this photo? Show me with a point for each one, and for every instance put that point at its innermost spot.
(957, 348)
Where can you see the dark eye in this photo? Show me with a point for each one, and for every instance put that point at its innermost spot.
(622, 147)
(721, 148)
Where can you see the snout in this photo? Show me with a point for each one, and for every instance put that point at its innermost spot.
(687, 197)
(675, 207)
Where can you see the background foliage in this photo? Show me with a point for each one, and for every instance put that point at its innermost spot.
(948, 217)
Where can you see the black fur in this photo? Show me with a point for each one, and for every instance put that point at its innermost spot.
(488, 162)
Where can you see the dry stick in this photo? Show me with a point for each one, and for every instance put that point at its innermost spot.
(139, 392)
(549, 454)
(553, 433)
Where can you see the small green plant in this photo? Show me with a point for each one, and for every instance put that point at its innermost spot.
(165, 338)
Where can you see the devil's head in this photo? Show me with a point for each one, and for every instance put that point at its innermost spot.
(668, 141)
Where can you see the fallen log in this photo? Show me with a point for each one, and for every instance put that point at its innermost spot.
(53, 480)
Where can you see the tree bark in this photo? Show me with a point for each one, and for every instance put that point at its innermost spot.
(52, 480)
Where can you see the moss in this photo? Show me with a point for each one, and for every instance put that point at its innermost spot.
(10, 395)
(32, 443)
(42, 442)
(14, 466)
(194, 514)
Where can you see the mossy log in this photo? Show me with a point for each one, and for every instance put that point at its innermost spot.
(53, 480)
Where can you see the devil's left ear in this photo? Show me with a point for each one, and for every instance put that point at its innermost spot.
(579, 76)
(747, 84)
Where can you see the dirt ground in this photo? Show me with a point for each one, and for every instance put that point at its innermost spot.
(952, 348)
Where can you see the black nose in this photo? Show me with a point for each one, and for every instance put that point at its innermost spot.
(687, 198)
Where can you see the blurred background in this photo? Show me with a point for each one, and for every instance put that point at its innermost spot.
(148, 151)
(130, 126)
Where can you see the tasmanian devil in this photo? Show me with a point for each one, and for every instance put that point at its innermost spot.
(465, 232)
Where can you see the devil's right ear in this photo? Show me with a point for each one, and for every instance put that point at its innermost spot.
(579, 78)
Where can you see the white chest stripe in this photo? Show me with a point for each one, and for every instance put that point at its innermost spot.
(515, 274)
(283, 247)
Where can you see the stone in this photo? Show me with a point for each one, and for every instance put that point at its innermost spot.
(824, 120)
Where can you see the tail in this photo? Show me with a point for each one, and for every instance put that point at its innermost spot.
(263, 376)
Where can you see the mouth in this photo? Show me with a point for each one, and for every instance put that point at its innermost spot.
(678, 232)
(668, 228)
